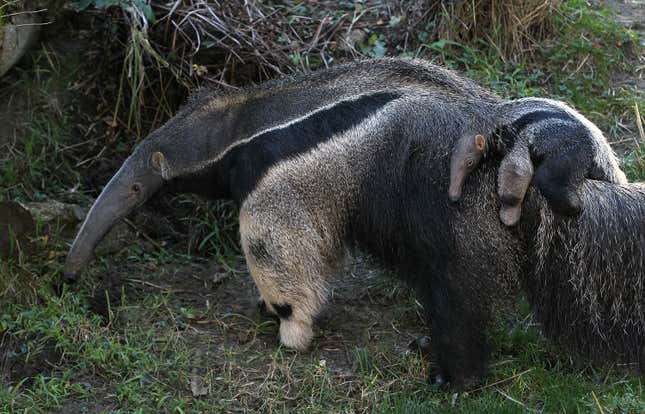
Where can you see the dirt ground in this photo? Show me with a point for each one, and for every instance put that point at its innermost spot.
(631, 13)
(364, 307)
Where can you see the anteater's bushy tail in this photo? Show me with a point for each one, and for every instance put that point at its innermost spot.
(586, 277)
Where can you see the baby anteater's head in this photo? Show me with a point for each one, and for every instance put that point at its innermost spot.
(466, 156)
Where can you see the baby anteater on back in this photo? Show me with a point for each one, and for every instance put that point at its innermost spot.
(560, 142)
(467, 153)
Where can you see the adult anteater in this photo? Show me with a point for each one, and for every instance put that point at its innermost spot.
(356, 156)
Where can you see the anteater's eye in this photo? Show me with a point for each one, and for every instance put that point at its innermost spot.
(469, 163)
(135, 188)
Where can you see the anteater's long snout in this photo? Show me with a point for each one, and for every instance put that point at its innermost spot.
(454, 191)
(457, 179)
(125, 191)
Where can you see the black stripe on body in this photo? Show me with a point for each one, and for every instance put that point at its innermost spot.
(533, 117)
(247, 163)
(508, 133)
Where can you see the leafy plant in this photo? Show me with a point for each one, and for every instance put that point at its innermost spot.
(375, 46)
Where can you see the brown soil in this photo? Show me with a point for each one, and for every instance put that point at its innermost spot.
(16, 363)
(364, 307)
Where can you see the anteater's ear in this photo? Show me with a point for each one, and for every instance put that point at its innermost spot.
(158, 162)
(480, 142)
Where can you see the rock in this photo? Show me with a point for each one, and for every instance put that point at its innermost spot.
(16, 223)
(19, 221)
(17, 33)
(55, 217)
(51, 212)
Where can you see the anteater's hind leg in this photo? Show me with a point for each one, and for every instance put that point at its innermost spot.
(291, 264)
(458, 340)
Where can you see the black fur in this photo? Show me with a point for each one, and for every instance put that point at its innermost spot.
(405, 219)
(506, 135)
(562, 153)
(247, 163)
(585, 277)
(536, 116)
(283, 311)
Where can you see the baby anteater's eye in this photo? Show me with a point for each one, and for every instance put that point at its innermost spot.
(469, 163)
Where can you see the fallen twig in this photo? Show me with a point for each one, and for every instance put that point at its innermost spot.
(164, 288)
(597, 402)
(639, 122)
(483, 387)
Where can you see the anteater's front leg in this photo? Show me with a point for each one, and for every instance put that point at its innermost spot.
(290, 264)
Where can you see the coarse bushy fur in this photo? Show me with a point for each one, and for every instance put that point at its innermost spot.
(586, 276)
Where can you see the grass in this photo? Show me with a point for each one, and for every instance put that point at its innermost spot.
(144, 357)
(5, 9)
(175, 338)
(634, 163)
(591, 47)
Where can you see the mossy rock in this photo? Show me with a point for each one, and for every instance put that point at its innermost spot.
(17, 33)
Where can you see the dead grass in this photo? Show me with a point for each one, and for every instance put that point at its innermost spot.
(515, 28)
(295, 36)
(184, 44)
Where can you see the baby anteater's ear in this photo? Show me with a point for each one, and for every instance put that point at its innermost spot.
(480, 142)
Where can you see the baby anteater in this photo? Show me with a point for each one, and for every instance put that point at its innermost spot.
(468, 152)
(513, 180)
(560, 142)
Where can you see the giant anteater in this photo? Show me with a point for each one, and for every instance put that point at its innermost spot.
(355, 156)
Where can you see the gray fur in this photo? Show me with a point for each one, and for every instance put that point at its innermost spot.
(238, 117)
